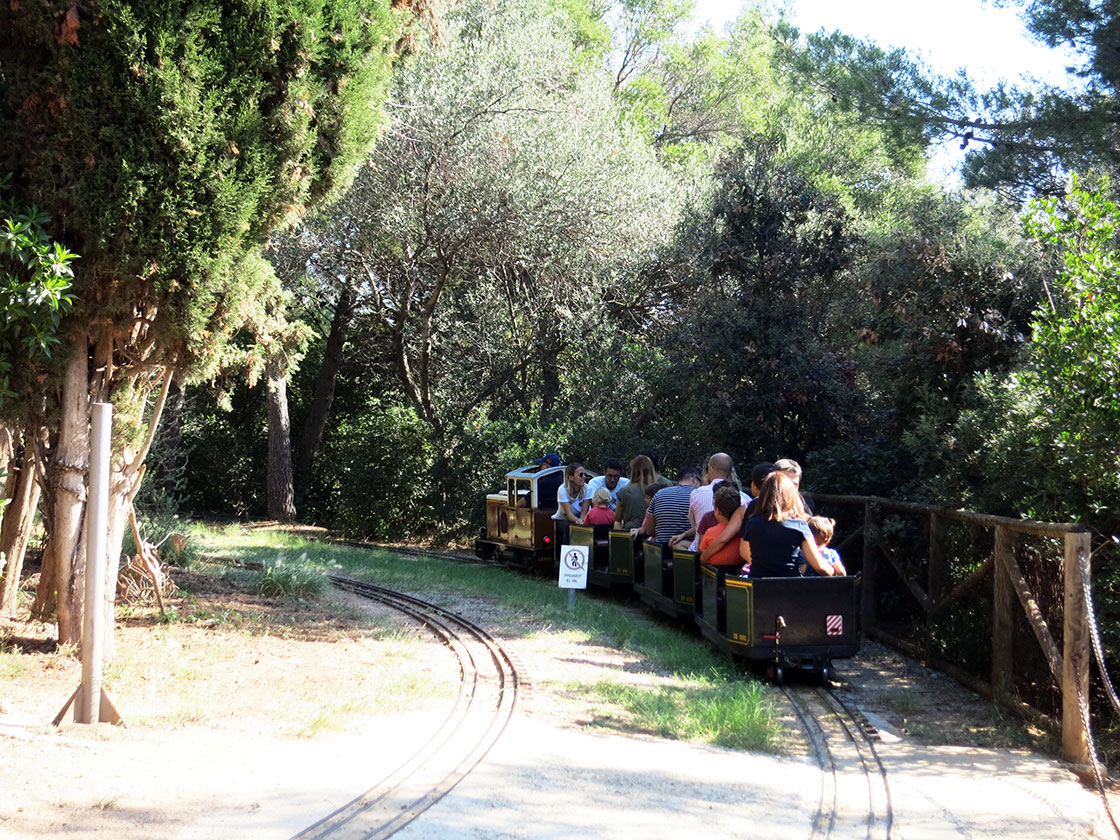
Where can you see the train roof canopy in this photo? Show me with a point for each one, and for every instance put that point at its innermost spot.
(533, 471)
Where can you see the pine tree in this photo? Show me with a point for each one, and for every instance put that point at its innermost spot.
(167, 140)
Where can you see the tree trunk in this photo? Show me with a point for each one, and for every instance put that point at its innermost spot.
(316, 422)
(281, 495)
(16, 529)
(66, 474)
(119, 504)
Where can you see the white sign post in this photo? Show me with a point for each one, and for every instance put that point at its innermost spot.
(574, 560)
(91, 702)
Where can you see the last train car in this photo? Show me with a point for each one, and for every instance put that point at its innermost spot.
(794, 624)
(519, 526)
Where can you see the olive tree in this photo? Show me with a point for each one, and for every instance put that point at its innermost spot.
(494, 229)
(168, 140)
(491, 223)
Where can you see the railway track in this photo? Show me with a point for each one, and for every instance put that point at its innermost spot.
(855, 798)
(484, 706)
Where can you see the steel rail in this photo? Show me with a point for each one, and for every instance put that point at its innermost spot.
(483, 708)
(855, 797)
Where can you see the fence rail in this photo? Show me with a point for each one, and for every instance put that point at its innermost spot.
(1067, 662)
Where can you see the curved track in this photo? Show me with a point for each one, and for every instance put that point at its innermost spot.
(483, 708)
(855, 799)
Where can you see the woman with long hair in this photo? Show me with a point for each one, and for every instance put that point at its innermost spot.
(776, 532)
(571, 501)
(631, 506)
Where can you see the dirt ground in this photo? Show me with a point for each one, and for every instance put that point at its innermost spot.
(244, 693)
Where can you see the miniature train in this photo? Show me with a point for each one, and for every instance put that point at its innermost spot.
(789, 624)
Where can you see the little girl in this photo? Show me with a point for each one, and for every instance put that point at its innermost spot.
(821, 528)
(600, 513)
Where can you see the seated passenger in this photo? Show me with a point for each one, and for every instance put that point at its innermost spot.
(570, 499)
(758, 475)
(632, 501)
(700, 505)
(600, 513)
(668, 511)
(822, 528)
(611, 478)
(774, 535)
(656, 461)
(793, 469)
(647, 520)
(727, 501)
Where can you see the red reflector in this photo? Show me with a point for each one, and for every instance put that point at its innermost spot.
(548, 539)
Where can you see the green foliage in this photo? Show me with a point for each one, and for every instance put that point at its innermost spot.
(225, 444)
(936, 303)
(1021, 139)
(1050, 427)
(168, 140)
(497, 225)
(590, 32)
(35, 278)
(748, 362)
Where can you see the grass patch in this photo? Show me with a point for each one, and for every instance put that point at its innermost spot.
(713, 710)
(298, 579)
(903, 702)
(12, 662)
(332, 716)
(721, 706)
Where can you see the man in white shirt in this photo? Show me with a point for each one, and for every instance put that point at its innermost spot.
(611, 478)
(701, 502)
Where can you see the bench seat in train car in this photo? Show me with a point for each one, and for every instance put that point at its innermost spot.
(669, 579)
(597, 539)
(798, 624)
(624, 552)
(612, 555)
(519, 525)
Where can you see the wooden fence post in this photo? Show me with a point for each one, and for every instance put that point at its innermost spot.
(935, 584)
(1003, 615)
(1075, 653)
(871, 517)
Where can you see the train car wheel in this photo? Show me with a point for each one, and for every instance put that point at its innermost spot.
(779, 677)
(826, 675)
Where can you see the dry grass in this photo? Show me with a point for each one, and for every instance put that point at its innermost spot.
(227, 657)
(225, 669)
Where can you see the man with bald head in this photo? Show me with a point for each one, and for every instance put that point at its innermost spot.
(701, 502)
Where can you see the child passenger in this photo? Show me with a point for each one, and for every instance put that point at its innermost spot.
(821, 528)
(600, 513)
(727, 501)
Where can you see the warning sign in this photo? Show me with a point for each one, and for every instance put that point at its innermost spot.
(834, 625)
(573, 566)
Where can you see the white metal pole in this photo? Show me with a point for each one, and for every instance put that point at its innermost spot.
(97, 536)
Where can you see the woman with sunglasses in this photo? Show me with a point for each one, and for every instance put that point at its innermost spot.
(572, 499)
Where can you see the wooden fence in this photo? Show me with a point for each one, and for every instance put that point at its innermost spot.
(934, 595)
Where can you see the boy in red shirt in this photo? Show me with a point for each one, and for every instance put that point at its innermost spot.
(727, 501)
